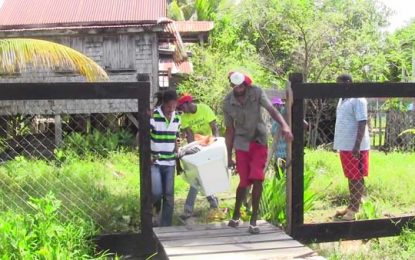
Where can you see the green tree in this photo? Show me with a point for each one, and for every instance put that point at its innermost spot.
(200, 10)
(18, 54)
(318, 38)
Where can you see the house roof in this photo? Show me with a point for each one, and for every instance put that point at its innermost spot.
(184, 67)
(194, 26)
(26, 14)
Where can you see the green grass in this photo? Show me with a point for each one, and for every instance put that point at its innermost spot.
(389, 185)
(102, 193)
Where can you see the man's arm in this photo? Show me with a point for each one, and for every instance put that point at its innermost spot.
(189, 135)
(229, 136)
(214, 127)
(285, 129)
(361, 127)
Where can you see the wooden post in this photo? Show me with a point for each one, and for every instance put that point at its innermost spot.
(146, 205)
(295, 173)
(58, 130)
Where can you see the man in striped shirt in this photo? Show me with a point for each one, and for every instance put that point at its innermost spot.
(164, 128)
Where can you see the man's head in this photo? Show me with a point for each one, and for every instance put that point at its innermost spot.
(344, 78)
(239, 82)
(185, 104)
(167, 100)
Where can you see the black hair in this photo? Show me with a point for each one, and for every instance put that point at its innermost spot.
(346, 78)
(165, 96)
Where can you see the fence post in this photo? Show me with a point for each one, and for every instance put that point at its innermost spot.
(146, 224)
(295, 174)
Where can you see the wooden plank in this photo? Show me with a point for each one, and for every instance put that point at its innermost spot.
(246, 247)
(210, 226)
(247, 238)
(282, 253)
(334, 231)
(334, 90)
(73, 90)
(221, 242)
(212, 233)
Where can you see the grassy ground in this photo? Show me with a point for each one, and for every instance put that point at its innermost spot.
(389, 185)
(107, 189)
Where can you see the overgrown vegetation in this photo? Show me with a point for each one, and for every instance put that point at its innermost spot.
(43, 234)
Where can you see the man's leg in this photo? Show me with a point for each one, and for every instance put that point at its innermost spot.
(190, 202)
(242, 167)
(213, 201)
(168, 198)
(256, 198)
(357, 190)
(240, 196)
(156, 189)
(256, 176)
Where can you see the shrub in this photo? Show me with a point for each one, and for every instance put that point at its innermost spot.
(43, 235)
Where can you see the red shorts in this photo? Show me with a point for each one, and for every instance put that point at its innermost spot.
(355, 168)
(250, 164)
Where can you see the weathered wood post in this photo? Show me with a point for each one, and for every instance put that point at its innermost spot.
(295, 173)
(146, 205)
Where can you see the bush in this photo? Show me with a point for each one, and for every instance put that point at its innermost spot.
(43, 235)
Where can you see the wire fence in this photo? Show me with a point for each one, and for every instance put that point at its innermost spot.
(370, 182)
(83, 151)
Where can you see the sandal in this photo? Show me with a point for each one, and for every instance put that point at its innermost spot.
(341, 213)
(349, 215)
(234, 223)
(253, 229)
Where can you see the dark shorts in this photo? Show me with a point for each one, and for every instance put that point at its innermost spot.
(250, 164)
(355, 168)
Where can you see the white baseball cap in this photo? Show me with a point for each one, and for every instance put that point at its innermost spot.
(237, 78)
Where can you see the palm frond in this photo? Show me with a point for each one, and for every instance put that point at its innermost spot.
(18, 54)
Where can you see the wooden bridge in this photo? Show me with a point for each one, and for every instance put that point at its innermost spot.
(218, 241)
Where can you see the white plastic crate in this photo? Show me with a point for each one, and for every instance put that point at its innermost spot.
(207, 170)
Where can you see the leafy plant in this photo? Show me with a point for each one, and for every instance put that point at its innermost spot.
(97, 142)
(273, 201)
(368, 210)
(43, 235)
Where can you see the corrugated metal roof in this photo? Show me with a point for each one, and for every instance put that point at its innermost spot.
(194, 26)
(17, 14)
(185, 67)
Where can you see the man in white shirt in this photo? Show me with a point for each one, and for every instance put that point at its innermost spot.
(351, 139)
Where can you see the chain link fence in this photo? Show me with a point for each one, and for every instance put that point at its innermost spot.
(83, 151)
(368, 184)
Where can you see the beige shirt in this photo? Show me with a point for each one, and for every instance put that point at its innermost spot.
(247, 117)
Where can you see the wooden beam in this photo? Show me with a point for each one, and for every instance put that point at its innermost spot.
(295, 190)
(58, 130)
(71, 90)
(351, 230)
(146, 204)
(345, 90)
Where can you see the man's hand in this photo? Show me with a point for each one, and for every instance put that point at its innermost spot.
(231, 164)
(286, 133)
(356, 151)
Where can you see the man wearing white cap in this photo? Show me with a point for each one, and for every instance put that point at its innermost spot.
(247, 133)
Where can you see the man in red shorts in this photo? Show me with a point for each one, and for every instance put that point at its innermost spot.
(247, 133)
(351, 139)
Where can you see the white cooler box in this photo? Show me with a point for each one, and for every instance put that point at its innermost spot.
(207, 170)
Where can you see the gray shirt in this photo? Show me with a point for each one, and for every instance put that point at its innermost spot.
(349, 112)
(247, 117)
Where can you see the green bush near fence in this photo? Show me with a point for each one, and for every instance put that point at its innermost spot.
(43, 235)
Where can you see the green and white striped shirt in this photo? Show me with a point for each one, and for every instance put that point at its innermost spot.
(163, 137)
